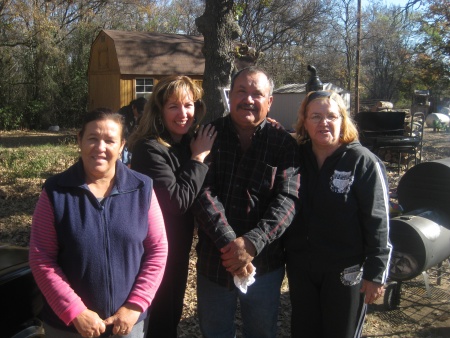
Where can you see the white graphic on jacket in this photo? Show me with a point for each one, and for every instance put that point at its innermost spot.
(352, 275)
(341, 181)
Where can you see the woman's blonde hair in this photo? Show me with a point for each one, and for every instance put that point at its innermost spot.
(348, 133)
(151, 123)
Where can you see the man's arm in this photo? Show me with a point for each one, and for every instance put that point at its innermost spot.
(283, 206)
(238, 254)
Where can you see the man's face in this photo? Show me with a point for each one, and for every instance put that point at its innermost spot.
(250, 100)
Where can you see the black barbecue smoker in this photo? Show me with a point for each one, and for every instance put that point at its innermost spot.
(421, 236)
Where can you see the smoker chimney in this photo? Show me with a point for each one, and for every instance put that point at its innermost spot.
(314, 82)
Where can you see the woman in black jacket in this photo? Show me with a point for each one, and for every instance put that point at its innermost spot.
(165, 148)
(337, 247)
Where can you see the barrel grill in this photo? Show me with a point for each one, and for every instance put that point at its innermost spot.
(421, 236)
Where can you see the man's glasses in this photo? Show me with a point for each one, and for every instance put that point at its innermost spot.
(317, 118)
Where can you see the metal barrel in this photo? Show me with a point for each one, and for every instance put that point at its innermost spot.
(426, 186)
(419, 242)
(421, 237)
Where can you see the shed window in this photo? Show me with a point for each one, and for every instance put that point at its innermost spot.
(144, 87)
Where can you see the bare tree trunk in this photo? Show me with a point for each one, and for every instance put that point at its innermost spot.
(219, 29)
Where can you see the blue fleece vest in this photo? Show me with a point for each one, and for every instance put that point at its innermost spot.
(100, 244)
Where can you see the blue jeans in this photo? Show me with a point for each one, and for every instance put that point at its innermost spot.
(259, 307)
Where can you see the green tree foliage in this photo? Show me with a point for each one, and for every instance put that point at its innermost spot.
(44, 53)
(434, 50)
(40, 47)
(429, 67)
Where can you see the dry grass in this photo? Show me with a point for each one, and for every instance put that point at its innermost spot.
(26, 160)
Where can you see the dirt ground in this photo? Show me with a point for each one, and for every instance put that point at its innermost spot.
(420, 313)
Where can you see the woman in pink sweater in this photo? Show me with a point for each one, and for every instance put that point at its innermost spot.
(98, 245)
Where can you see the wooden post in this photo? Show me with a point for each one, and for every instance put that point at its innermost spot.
(358, 58)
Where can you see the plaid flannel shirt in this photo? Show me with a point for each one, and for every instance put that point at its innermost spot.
(252, 194)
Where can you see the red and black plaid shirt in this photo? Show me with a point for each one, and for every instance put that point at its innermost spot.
(252, 194)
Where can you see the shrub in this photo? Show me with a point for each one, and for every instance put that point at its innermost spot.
(10, 118)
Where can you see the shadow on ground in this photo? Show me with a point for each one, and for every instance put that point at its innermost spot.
(19, 140)
(421, 313)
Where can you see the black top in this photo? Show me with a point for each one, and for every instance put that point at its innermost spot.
(177, 180)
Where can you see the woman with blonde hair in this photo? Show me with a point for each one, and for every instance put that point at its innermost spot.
(348, 134)
(170, 146)
(337, 247)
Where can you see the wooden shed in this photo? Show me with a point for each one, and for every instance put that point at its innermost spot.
(126, 65)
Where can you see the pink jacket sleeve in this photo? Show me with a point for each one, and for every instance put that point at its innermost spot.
(43, 262)
(154, 261)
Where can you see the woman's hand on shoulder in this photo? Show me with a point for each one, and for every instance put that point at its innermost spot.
(202, 143)
(89, 324)
(274, 123)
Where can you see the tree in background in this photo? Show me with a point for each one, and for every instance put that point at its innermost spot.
(37, 42)
(219, 29)
(340, 40)
(172, 16)
(433, 53)
(387, 52)
(281, 32)
(45, 47)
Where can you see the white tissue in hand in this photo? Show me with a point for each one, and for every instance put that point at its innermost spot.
(242, 283)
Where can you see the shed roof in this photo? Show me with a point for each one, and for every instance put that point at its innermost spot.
(301, 88)
(291, 88)
(158, 53)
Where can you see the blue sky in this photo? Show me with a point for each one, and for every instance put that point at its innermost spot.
(393, 2)
(397, 2)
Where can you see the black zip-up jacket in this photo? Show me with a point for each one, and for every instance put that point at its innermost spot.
(343, 218)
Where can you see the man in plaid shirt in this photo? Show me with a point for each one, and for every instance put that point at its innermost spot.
(248, 199)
